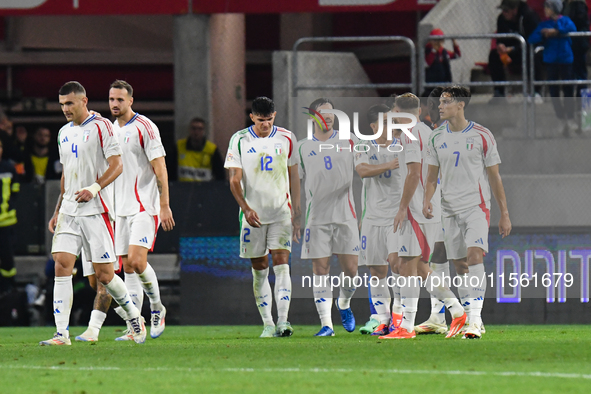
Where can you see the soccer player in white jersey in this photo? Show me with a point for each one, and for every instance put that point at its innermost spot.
(326, 163)
(264, 181)
(142, 203)
(91, 159)
(466, 155)
(417, 233)
(376, 162)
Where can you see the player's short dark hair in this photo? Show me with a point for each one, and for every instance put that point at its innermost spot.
(72, 87)
(391, 100)
(436, 92)
(263, 106)
(120, 84)
(197, 119)
(458, 92)
(408, 101)
(318, 102)
(375, 110)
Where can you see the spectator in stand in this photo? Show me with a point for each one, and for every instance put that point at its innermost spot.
(9, 187)
(18, 149)
(578, 12)
(199, 159)
(437, 59)
(558, 58)
(41, 162)
(516, 17)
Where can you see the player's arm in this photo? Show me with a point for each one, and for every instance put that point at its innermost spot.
(159, 166)
(496, 184)
(410, 185)
(294, 187)
(113, 171)
(430, 186)
(53, 220)
(249, 214)
(370, 170)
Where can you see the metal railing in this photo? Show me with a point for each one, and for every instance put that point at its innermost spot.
(524, 78)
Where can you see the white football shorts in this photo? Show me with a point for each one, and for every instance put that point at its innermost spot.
(417, 239)
(258, 241)
(376, 243)
(464, 230)
(139, 229)
(324, 240)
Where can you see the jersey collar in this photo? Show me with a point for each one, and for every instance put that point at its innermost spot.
(334, 133)
(271, 135)
(132, 119)
(470, 125)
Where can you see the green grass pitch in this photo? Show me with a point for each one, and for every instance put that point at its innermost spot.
(186, 359)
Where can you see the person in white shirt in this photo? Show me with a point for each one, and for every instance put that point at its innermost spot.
(326, 163)
(466, 155)
(376, 162)
(264, 181)
(142, 203)
(417, 233)
(91, 159)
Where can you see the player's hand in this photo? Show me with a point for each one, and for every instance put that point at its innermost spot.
(83, 195)
(166, 218)
(505, 226)
(52, 224)
(428, 209)
(394, 164)
(501, 48)
(94, 113)
(252, 218)
(297, 233)
(400, 217)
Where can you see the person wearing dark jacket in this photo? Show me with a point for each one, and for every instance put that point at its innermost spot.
(437, 59)
(41, 162)
(516, 17)
(9, 188)
(558, 58)
(578, 12)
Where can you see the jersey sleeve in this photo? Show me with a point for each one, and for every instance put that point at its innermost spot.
(233, 157)
(299, 160)
(293, 153)
(412, 149)
(361, 153)
(109, 141)
(490, 152)
(432, 156)
(152, 141)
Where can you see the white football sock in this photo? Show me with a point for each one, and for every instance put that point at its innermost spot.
(97, 318)
(477, 287)
(396, 304)
(63, 294)
(323, 298)
(436, 287)
(282, 291)
(380, 295)
(122, 314)
(409, 296)
(464, 294)
(262, 295)
(118, 291)
(437, 305)
(149, 283)
(132, 282)
(346, 291)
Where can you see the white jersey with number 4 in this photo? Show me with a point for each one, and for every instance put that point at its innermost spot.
(264, 163)
(328, 170)
(381, 193)
(84, 150)
(462, 157)
(416, 152)
(136, 188)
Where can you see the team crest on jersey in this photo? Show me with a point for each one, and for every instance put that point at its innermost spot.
(86, 135)
(278, 149)
(469, 143)
(127, 135)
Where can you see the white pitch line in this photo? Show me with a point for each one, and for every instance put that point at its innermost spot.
(310, 370)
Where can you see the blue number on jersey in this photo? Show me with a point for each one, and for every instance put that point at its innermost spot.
(386, 174)
(327, 162)
(363, 242)
(457, 158)
(265, 163)
(307, 234)
(246, 234)
(75, 149)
